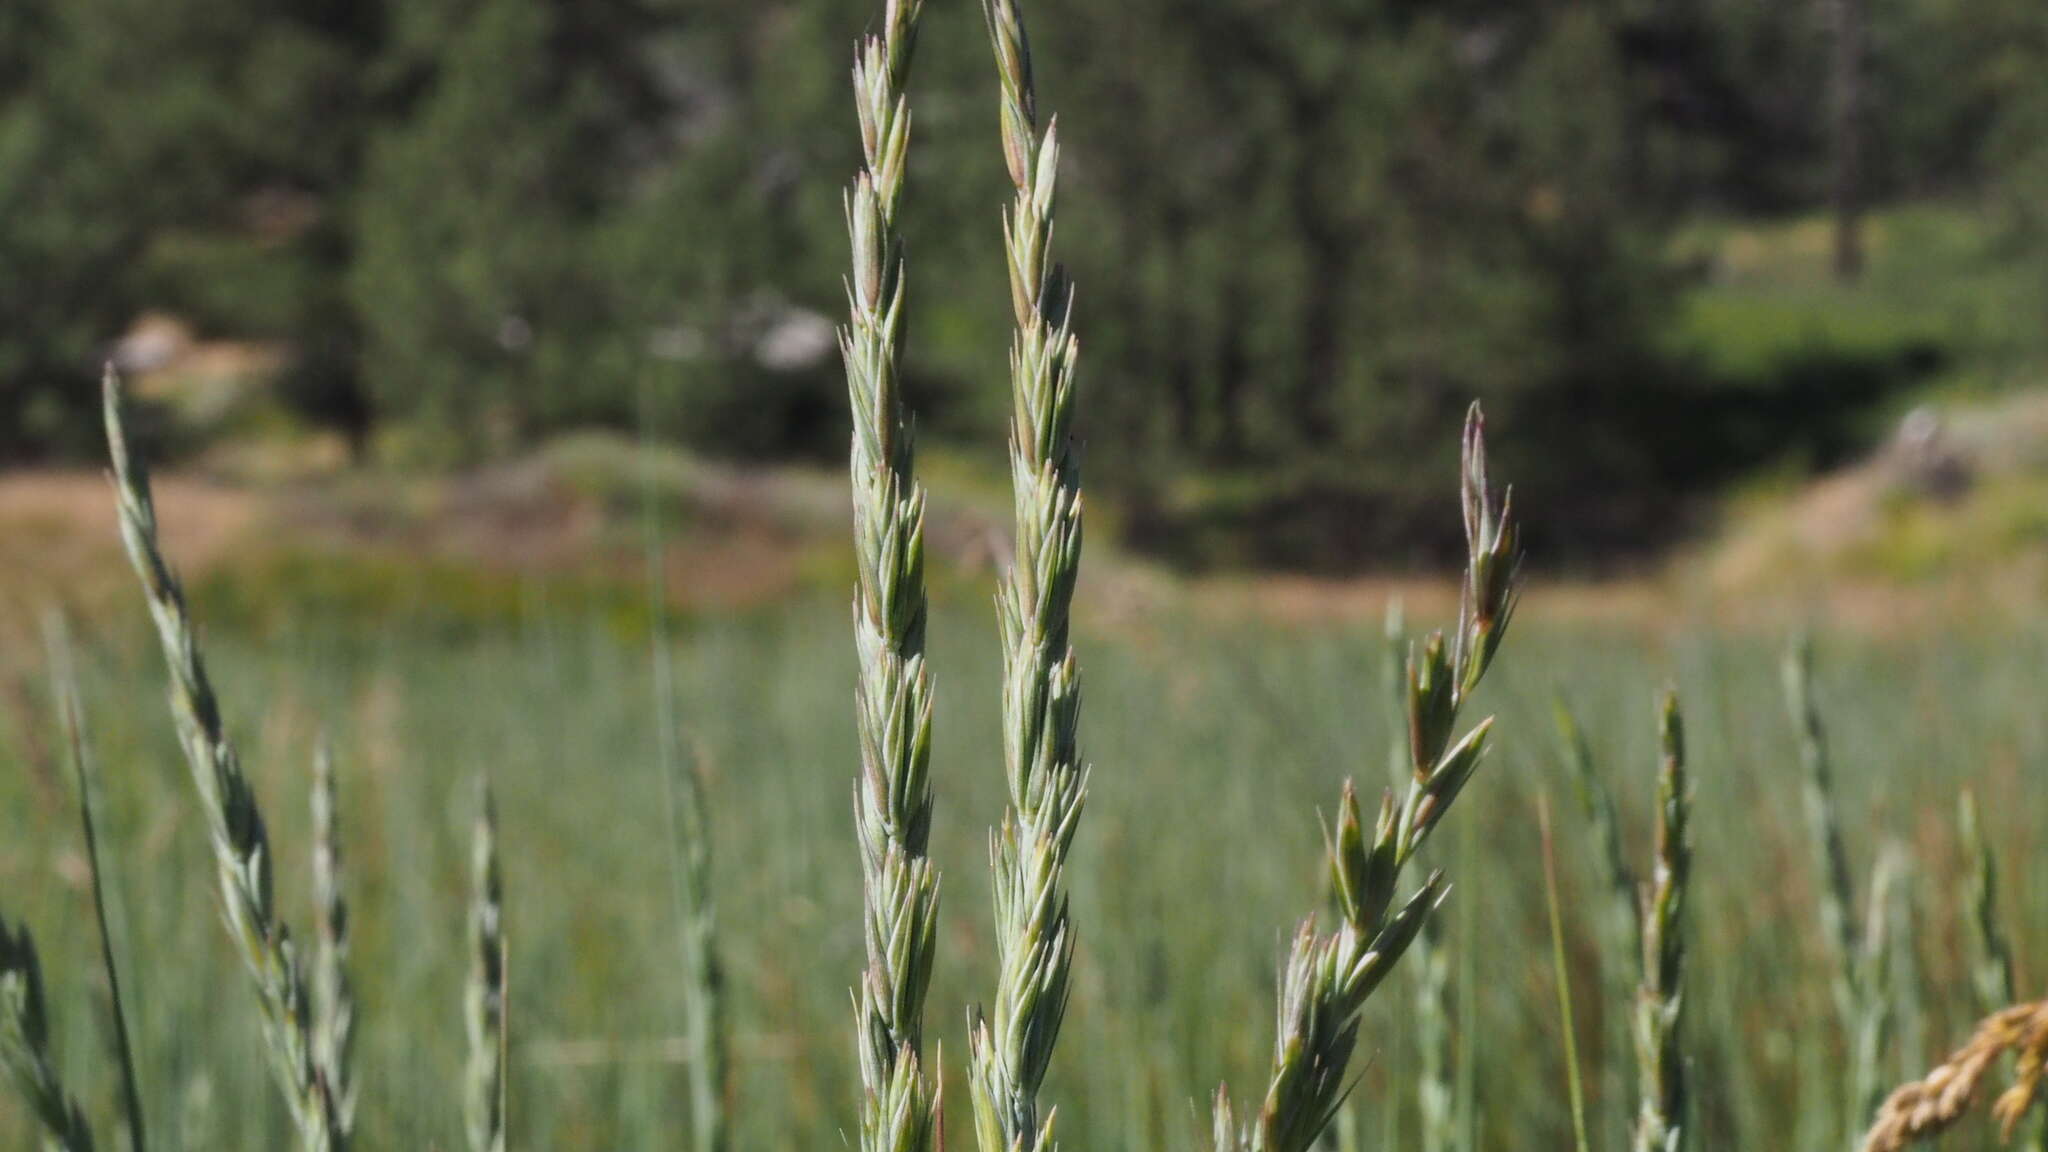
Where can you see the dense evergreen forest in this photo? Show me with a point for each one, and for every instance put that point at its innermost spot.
(1306, 233)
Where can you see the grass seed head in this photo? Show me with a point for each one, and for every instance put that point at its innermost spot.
(25, 1044)
(1938, 1101)
(241, 845)
(893, 697)
(1328, 977)
(1010, 1047)
(333, 999)
(484, 1002)
(1660, 1004)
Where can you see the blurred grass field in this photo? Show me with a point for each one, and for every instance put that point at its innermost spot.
(1216, 743)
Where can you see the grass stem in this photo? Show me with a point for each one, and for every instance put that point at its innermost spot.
(64, 678)
(688, 833)
(1574, 1086)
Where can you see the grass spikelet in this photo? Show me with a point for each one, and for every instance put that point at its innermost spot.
(241, 845)
(1621, 913)
(1394, 684)
(1328, 977)
(333, 999)
(1011, 1047)
(1618, 914)
(1870, 1028)
(1429, 957)
(1990, 953)
(893, 799)
(484, 1003)
(1660, 1005)
(1935, 1103)
(1864, 954)
(1817, 797)
(703, 976)
(25, 1044)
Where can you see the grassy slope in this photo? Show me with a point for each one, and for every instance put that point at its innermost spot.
(1943, 301)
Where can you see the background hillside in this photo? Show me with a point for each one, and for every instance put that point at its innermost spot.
(441, 233)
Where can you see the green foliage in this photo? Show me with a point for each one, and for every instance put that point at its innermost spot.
(158, 155)
(476, 294)
(1311, 233)
(1425, 208)
(65, 224)
(2018, 147)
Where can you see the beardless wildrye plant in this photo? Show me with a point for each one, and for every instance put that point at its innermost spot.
(1864, 973)
(1328, 976)
(1621, 915)
(1430, 958)
(25, 1052)
(333, 999)
(688, 831)
(1574, 1082)
(484, 997)
(241, 844)
(893, 795)
(1617, 911)
(703, 974)
(1010, 1048)
(1989, 953)
(1661, 1124)
(71, 718)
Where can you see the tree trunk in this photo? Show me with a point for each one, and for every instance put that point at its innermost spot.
(1326, 277)
(1325, 284)
(1233, 364)
(1177, 337)
(1846, 19)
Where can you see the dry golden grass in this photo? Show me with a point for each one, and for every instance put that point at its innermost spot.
(1930, 1106)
